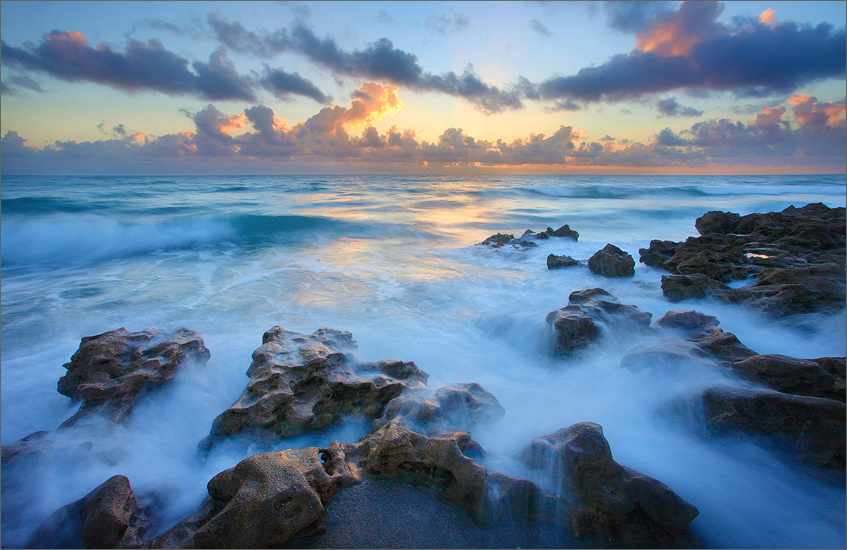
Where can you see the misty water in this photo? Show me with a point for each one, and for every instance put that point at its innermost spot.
(393, 259)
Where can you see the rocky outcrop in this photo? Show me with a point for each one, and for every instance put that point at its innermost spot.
(107, 517)
(110, 371)
(526, 240)
(454, 408)
(611, 500)
(822, 377)
(578, 324)
(300, 383)
(611, 261)
(666, 354)
(796, 256)
(557, 262)
(693, 324)
(265, 501)
(814, 427)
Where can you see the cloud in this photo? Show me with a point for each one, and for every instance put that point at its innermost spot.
(379, 60)
(671, 107)
(443, 24)
(13, 82)
(143, 66)
(804, 130)
(283, 84)
(540, 28)
(768, 17)
(628, 16)
(688, 49)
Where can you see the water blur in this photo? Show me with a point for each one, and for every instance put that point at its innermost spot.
(393, 260)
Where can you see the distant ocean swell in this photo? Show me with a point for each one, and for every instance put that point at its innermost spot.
(624, 192)
(63, 238)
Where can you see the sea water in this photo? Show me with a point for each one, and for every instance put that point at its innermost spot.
(394, 260)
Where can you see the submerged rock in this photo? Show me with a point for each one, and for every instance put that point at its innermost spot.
(556, 262)
(612, 500)
(611, 261)
(110, 371)
(107, 517)
(578, 324)
(526, 239)
(300, 383)
(814, 427)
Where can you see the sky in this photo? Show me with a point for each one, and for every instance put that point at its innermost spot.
(422, 87)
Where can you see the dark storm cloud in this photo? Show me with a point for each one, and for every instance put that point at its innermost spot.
(631, 16)
(142, 66)
(378, 60)
(688, 49)
(283, 84)
(671, 107)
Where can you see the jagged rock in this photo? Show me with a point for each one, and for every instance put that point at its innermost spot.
(498, 240)
(693, 323)
(813, 377)
(300, 383)
(555, 262)
(564, 231)
(612, 500)
(611, 261)
(34, 445)
(797, 257)
(110, 371)
(813, 426)
(687, 287)
(401, 370)
(525, 500)
(452, 408)
(107, 517)
(577, 326)
(716, 222)
(657, 253)
(724, 346)
(265, 501)
(399, 453)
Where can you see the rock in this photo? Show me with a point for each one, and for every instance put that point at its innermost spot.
(812, 377)
(266, 501)
(556, 262)
(693, 323)
(689, 287)
(716, 222)
(612, 500)
(796, 255)
(525, 500)
(108, 517)
(813, 426)
(611, 261)
(452, 409)
(577, 325)
(300, 383)
(564, 231)
(469, 403)
(667, 354)
(399, 453)
(34, 445)
(498, 240)
(724, 346)
(657, 253)
(111, 371)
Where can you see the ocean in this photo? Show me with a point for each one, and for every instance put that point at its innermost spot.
(394, 260)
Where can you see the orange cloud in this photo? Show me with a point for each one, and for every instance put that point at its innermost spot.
(67, 36)
(768, 17)
(371, 102)
(678, 31)
(231, 123)
(808, 111)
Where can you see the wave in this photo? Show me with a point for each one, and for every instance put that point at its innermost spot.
(42, 205)
(61, 239)
(623, 192)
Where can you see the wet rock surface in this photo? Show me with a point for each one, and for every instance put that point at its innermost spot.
(796, 258)
(611, 500)
(107, 517)
(578, 324)
(611, 261)
(528, 238)
(303, 382)
(111, 371)
(555, 261)
(813, 427)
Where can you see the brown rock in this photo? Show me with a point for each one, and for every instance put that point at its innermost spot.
(110, 371)
(813, 377)
(611, 261)
(694, 323)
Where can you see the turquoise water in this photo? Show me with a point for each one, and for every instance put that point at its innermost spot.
(392, 259)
